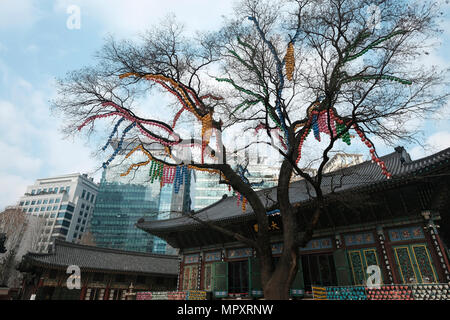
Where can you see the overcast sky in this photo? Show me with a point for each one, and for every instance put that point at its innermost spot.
(36, 46)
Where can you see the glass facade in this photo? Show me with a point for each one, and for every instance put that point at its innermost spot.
(123, 200)
(208, 190)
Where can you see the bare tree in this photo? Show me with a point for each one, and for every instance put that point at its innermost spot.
(287, 68)
(88, 238)
(34, 231)
(13, 224)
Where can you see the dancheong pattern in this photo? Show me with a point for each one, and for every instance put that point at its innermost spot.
(357, 266)
(371, 257)
(405, 264)
(423, 262)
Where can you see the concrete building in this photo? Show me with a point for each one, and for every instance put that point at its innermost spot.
(66, 202)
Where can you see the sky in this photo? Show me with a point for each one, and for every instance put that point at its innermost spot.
(39, 43)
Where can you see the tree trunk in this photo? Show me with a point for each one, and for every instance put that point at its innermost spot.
(279, 285)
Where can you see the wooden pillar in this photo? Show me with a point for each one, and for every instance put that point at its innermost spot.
(180, 273)
(199, 270)
(39, 285)
(83, 292)
(387, 255)
(437, 251)
(106, 293)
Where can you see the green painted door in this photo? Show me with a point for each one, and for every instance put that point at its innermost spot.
(220, 279)
(298, 285)
(254, 274)
(359, 261)
(414, 264)
(343, 272)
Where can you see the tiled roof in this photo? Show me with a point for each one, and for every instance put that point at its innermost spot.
(95, 258)
(363, 175)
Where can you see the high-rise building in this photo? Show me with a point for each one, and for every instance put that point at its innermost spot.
(66, 202)
(124, 199)
(209, 190)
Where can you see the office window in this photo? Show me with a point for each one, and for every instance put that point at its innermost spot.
(67, 189)
(30, 210)
(61, 190)
(67, 207)
(39, 202)
(88, 196)
(45, 190)
(82, 206)
(55, 207)
(33, 202)
(45, 201)
(21, 203)
(39, 191)
(61, 230)
(36, 209)
(57, 200)
(51, 201)
(87, 207)
(83, 194)
(42, 208)
(33, 191)
(50, 190)
(49, 208)
(56, 190)
(27, 203)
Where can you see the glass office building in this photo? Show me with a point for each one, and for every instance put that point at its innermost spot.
(123, 200)
(208, 190)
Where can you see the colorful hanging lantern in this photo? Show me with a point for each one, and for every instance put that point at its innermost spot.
(290, 61)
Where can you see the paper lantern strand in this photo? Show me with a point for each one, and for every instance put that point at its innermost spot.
(185, 96)
(318, 122)
(139, 124)
(290, 61)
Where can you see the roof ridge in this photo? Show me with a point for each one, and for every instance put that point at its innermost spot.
(62, 243)
(426, 158)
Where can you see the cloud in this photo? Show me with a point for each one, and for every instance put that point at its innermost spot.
(434, 143)
(18, 14)
(31, 141)
(11, 188)
(133, 16)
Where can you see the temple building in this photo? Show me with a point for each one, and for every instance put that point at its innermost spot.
(106, 274)
(400, 225)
